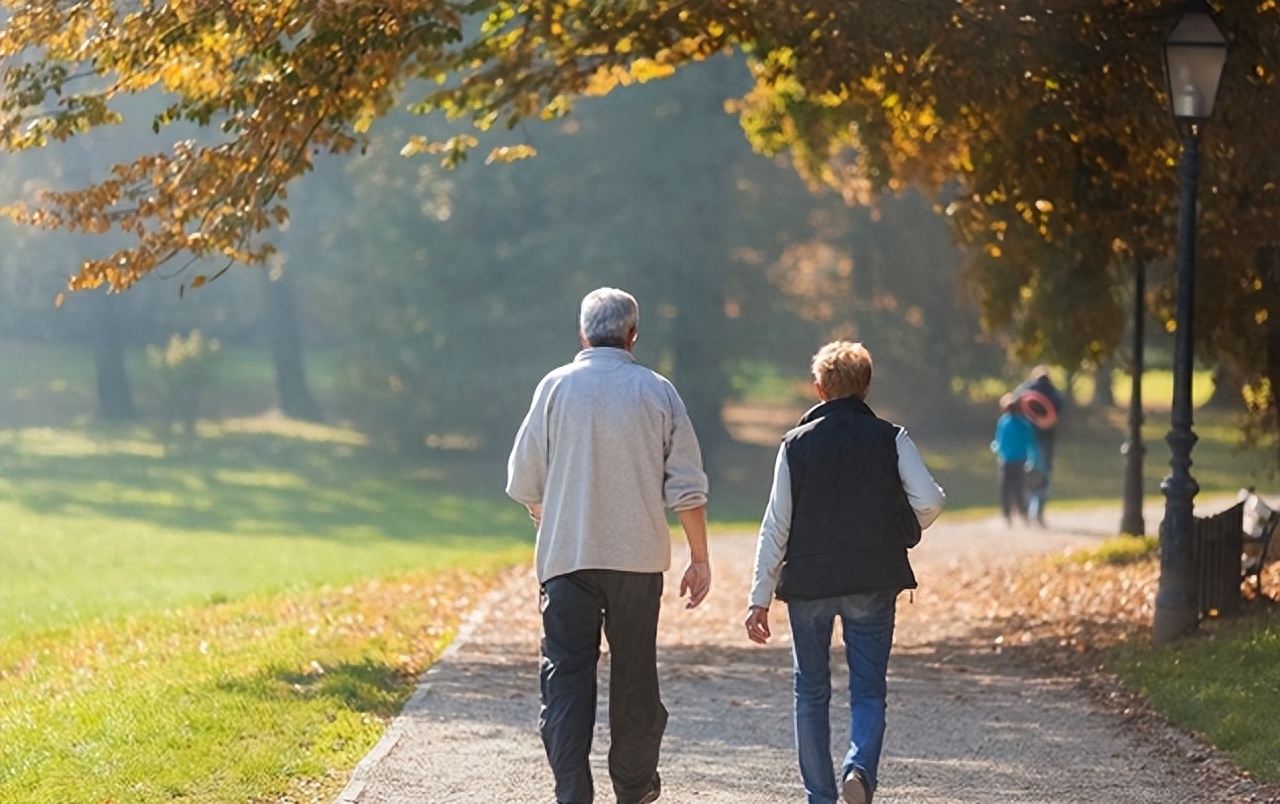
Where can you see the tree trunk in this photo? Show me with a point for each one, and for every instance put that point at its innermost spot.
(1103, 395)
(699, 373)
(1069, 389)
(295, 396)
(1269, 270)
(115, 398)
(1226, 389)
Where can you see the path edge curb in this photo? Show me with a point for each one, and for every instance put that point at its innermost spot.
(476, 618)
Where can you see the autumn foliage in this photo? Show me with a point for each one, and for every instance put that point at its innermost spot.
(1041, 126)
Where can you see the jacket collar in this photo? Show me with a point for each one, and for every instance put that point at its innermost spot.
(845, 404)
(604, 353)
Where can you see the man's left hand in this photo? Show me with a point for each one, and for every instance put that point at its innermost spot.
(758, 625)
(696, 582)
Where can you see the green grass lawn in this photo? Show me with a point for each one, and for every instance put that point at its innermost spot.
(114, 525)
(231, 620)
(261, 699)
(42, 383)
(1223, 684)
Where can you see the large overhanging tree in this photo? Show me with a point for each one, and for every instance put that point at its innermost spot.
(1041, 125)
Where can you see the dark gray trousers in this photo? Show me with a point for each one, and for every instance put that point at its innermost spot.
(575, 608)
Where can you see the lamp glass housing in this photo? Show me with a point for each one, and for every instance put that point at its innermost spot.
(1194, 55)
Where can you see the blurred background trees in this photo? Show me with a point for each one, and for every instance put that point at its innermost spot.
(443, 295)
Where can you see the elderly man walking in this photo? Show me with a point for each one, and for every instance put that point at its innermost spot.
(850, 495)
(605, 448)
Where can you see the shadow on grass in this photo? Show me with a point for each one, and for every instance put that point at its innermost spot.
(367, 687)
(264, 483)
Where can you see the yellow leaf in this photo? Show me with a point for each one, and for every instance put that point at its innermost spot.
(603, 81)
(198, 281)
(510, 153)
(416, 145)
(644, 70)
(59, 299)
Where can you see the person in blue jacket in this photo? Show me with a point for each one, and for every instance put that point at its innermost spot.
(1016, 453)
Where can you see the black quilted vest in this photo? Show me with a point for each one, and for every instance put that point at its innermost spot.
(851, 522)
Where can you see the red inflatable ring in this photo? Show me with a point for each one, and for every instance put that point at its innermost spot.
(1037, 407)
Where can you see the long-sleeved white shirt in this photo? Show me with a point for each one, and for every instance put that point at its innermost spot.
(923, 492)
(606, 447)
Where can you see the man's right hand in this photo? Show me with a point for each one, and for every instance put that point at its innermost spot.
(696, 582)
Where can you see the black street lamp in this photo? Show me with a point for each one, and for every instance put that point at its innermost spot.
(1194, 55)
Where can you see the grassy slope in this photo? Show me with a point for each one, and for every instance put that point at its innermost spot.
(253, 700)
(106, 524)
(1223, 684)
(232, 621)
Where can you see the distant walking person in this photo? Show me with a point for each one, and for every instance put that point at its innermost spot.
(605, 448)
(1042, 403)
(1016, 453)
(850, 495)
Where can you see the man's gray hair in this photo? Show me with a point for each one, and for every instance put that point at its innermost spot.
(608, 316)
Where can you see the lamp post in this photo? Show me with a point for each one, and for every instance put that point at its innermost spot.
(1131, 521)
(1194, 55)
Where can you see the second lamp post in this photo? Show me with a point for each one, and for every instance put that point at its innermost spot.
(1195, 53)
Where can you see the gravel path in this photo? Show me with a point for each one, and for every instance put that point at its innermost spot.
(966, 724)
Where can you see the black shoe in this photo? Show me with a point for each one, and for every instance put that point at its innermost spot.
(655, 790)
(855, 789)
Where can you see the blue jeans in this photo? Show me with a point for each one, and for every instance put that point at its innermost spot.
(867, 621)
(1038, 493)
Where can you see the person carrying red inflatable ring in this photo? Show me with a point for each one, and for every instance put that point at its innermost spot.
(1042, 404)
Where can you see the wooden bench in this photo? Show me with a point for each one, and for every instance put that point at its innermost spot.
(1258, 524)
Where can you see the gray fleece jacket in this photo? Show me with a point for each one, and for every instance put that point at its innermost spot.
(606, 447)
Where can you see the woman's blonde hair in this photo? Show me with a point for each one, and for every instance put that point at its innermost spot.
(843, 368)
